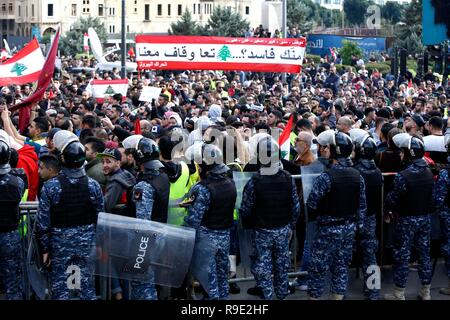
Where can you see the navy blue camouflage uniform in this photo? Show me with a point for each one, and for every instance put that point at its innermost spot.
(440, 195)
(270, 245)
(368, 237)
(409, 230)
(219, 264)
(68, 246)
(11, 263)
(333, 245)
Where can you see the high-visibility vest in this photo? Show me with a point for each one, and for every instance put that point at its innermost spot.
(177, 193)
(23, 218)
(238, 166)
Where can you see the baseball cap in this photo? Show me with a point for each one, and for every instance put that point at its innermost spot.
(112, 153)
(158, 131)
(52, 132)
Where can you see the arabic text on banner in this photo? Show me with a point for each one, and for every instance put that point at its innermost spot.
(220, 53)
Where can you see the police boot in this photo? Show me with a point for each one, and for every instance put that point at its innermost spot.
(445, 291)
(424, 293)
(233, 287)
(335, 296)
(397, 294)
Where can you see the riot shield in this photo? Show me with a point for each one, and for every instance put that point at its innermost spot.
(244, 235)
(240, 180)
(309, 174)
(134, 249)
(37, 274)
(204, 254)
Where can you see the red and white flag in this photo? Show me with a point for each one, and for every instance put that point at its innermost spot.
(43, 81)
(102, 88)
(24, 67)
(85, 42)
(284, 141)
(220, 53)
(3, 55)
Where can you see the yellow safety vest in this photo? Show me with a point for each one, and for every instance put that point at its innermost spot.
(233, 165)
(23, 218)
(177, 193)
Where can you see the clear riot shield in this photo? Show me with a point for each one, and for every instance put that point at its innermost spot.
(204, 254)
(309, 174)
(244, 235)
(37, 274)
(133, 249)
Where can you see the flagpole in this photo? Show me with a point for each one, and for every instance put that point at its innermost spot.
(124, 45)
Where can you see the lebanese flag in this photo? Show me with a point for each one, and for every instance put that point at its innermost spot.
(85, 42)
(24, 67)
(101, 88)
(3, 55)
(44, 79)
(284, 141)
(410, 83)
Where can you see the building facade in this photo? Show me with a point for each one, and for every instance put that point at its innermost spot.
(24, 18)
(338, 4)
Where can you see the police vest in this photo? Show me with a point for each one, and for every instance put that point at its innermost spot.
(273, 200)
(75, 207)
(9, 204)
(343, 199)
(221, 203)
(161, 185)
(419, 192)
(20, 173)
(177, 192)
(373, 180)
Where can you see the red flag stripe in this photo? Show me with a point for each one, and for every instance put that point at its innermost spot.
(286, 132)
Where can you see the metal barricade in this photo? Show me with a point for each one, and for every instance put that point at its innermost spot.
(27, 211)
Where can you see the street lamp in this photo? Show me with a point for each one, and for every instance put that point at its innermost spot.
(124, 45)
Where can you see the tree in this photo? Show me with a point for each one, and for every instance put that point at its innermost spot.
(300, 15)
(349, 49)
(224, 53)
(186, 26)
(410, 31)
(224, 22)
(355, 11)
(392, 11)
(72, 42)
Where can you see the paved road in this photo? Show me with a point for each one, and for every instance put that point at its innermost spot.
(354, 291)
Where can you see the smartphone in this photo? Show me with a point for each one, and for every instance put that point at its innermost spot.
(400, 123)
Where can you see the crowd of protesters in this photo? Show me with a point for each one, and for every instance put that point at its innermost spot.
(239, 105)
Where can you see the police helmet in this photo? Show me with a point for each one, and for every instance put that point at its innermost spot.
(342, 146)
(146, 150)
(5, 152)
(74, 155)
(412, 147)
(367, 149)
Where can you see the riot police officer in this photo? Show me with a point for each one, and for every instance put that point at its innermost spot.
(270, 206)
(441, 199)
(410, 200)
(210, 212)
(365, 151)
(11, 190)
(338, 202)
(151, 199)
(66, 219)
